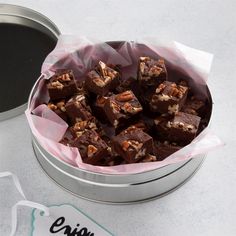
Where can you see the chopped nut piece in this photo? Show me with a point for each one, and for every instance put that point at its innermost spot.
(52, 106)
(125, 145)
(99, 82)
(57, 84)
(125, 96)
(149, 158)
(91, 150)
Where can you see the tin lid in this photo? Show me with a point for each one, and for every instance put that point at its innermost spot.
(26, 38)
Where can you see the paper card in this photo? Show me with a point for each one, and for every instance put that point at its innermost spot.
(66, 220)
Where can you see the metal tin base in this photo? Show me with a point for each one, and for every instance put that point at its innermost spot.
(116, 189)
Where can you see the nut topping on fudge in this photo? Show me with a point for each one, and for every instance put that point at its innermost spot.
(182, 128)
(92, 148)
(168, 98)
(59, 108)
(151, 72)
(61, 85)
(78, 109)
(121, 107)
(102, 79)
(133, 144)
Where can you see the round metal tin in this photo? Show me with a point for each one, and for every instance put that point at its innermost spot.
(114, 188)
(26, 38)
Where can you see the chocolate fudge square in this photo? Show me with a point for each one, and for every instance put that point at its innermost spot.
(133, 144)
(151, 72)
(120, 107)
(78, 109)
(165, 149)
(168, 98)
(91, 147)
(194, 106)
(59, 108)
(181, 129)
(61, 85)
(102, 79)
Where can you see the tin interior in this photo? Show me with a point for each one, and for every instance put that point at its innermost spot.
(26, 39)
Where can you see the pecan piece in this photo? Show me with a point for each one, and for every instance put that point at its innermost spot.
(99, 82)
(124, 97)
(91, 150)
(52, 106)
(57, 84)
(64, 78)
(61, 105)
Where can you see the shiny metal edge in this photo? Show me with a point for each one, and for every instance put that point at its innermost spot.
(183, 176)
(24, 12)
(30, 18)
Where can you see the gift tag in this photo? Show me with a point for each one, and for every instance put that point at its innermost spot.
(66, 220)
(63, 219)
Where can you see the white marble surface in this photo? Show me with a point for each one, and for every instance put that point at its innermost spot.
(206, 205)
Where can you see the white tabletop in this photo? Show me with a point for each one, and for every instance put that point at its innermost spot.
(206, 205)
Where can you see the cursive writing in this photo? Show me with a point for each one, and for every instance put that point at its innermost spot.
(57, 226)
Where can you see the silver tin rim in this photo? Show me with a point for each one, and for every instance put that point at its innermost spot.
(25, 16)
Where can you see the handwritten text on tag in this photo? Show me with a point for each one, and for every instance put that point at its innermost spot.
(65, 220)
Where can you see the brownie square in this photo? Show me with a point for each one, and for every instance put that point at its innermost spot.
(151, 72)
(78, 109)
(133, 144)
(59, 108)
(121, 107)
(102, 79)
(91, 147)
(182, 128)
(168, 98)
(61, 85)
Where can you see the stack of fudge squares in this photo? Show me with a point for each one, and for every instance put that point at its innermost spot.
(114, 121)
